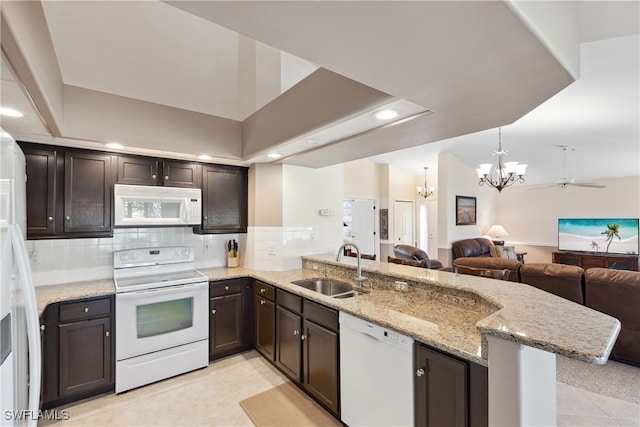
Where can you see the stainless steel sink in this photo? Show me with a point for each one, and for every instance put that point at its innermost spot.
(331, 287)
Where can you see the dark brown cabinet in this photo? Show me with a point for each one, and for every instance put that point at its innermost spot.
(586, 260)
(449, 391)
(289, 334)
(320, 355)
(140, 170)
(224, 199)
(307, 347)
(229, 315)
(78, 350)
(69, 192)
(264, 319)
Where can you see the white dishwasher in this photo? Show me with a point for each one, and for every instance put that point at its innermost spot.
(376, 374)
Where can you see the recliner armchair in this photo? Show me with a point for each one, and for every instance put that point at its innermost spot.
(414, 253)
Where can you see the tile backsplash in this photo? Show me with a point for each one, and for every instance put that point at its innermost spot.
(55, 261)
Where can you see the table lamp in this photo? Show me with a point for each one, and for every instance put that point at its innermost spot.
(495, 232)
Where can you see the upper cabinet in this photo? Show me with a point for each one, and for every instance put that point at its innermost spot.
(140, 170)
(69, 192)
(224, 199)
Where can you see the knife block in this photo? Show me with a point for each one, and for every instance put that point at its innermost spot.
(233, 261)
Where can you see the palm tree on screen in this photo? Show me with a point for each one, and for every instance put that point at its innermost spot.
(613, 230)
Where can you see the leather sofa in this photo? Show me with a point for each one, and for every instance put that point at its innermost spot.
(477, 247)
(413, 253)
(566, 281)
(617, 293)
(491, 263)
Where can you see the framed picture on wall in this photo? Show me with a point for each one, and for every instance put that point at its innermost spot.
(465, 210)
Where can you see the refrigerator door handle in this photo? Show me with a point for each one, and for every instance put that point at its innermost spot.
(32, 320)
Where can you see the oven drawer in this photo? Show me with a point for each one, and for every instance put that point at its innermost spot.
(225, 287)
(81, 310)
(265, 291)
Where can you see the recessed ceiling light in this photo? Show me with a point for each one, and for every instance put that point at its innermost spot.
(386, 114)
(5, 134)
(10, 112)
(274, 155)
(114, 146)
(204, 157)
(311, 141)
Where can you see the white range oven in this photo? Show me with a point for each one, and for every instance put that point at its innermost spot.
(162, 315)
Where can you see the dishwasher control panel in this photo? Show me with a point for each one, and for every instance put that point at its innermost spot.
(392, 337)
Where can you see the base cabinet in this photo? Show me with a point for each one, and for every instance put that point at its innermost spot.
(449, 391)
(307, 347)
(264, 319)
(78, 350)
(229, 317)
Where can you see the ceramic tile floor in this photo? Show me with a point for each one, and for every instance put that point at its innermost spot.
(210, 396)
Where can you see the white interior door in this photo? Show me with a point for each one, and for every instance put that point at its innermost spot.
(423, 226)
(363, 231)
(403, 221)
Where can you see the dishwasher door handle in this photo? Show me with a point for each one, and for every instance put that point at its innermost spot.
(369, 335)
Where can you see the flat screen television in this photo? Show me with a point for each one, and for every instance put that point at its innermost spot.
(598, 235)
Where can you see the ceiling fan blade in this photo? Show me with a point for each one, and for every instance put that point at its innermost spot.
(586, 184)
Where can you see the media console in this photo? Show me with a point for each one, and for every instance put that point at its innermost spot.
(590, 260)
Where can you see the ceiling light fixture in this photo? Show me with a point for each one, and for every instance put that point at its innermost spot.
(426, 191)
(274, 155)
(10, 112)
(503, 174)
(386, 114)
(311, 141)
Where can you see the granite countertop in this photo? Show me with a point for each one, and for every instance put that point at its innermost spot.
(445, 310)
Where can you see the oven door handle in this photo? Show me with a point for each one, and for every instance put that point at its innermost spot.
(162, 291)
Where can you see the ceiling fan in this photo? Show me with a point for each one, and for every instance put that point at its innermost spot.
(565, 182)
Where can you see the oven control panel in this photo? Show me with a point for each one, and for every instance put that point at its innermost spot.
(152, 256)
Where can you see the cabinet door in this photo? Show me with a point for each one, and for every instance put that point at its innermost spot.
(42, 191)
(85, 356)
(138, 170)
(225, 324)
(264, 317)
(87, 193)
(224, 199)
(288, 342)
(320, 364)
(440, 389)
(181, 174)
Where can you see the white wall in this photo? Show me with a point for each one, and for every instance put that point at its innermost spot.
(530, 213)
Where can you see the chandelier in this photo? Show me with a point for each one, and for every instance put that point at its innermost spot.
(426, 191)
(503, 174)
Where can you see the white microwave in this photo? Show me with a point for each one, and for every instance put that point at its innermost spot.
(142, 205)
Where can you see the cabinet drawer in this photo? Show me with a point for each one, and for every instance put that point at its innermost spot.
(289, 301)
(80, 310)
(264, 290)
(320, 314)
(226, 287)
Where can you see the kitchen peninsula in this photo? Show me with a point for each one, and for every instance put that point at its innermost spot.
(512, 328)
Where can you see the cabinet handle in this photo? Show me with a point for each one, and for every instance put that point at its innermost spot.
(106, 334)
(166, 178)
(50, 219)
(262, 301)
(303, 337)
(154, 176)
(86, 309)
(226, 288)
(263, 290)
(420, 372)
(206, 218)
(68, 217)
(42, 327)
(296, 332)
(213, 312)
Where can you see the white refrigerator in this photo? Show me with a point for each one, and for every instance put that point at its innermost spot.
(20, 353)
